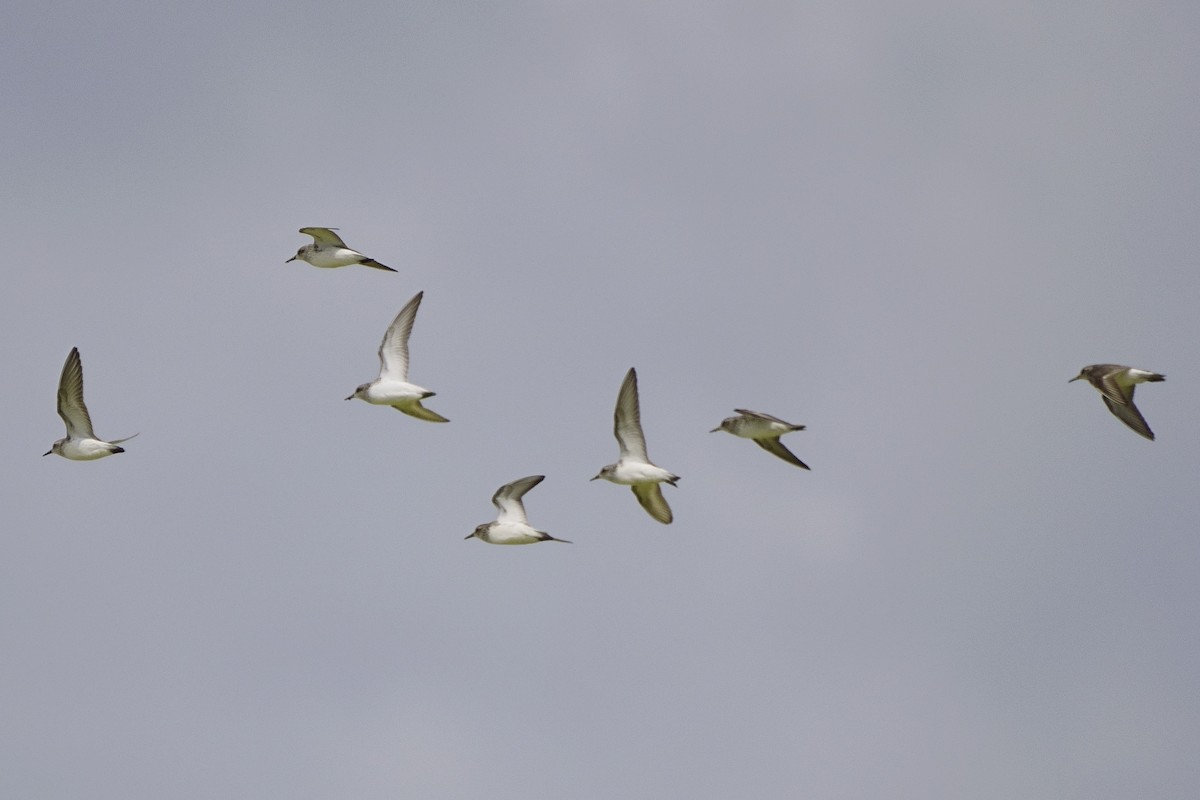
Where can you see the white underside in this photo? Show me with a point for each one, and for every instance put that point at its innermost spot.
(511, 533)
(85, 449)
(391, 393)
(1133, 376)
(333, 257)
(629, 473)
(760, 429)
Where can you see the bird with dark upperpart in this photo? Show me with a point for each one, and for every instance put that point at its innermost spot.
(1116, 384)
(764, 430)
(328, 251)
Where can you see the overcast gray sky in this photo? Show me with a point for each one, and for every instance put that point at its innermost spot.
(902, 225)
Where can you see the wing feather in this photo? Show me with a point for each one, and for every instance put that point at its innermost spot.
(70, 398)
(777, 448)
(421, 412)
(370, 262)
(1114, 390)
(324, 236)
(1129, 414)
(393, 350)
(651, 498)
(508, 499)
(627, 420)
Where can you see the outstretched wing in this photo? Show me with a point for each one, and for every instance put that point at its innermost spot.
(508, 499)
(1129, 414)
(651, 498)
(777, 448)
(1114, 390)
(627, 421)
(393, 350)
(325, 236)
(70, 398)
(372, 263)
(421, 412)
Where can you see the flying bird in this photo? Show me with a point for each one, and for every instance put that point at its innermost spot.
(392, 388)
(764, 430)
(1116, 384)
(329, 251)
(633, 468)
(512, 526)
(80, 443)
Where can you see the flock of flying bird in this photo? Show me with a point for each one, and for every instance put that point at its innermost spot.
(633, 468)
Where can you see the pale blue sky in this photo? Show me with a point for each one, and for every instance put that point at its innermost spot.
(905, 227)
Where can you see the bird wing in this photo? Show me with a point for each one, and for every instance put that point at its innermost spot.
(324, 236)
(1113, 389)
(651, 498)
(627, 420)
(393, 350)
(508, 499)
(765, 417)
(370, 262)
(1128, 413)
(777, 448)
(421, 412)
(70, 398)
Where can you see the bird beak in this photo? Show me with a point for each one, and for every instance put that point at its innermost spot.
(714, 430)
(351, 397)
(48, 452)
(293, 258)
(592, 479)
(469, 536)
(1077, 377)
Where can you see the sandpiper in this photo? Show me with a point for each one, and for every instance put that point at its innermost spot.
(1115, 384)
(80, 443)
(392, 388)
(633, 468)
(764, 430)
(512, 526)
(328, 251)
